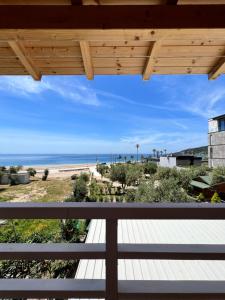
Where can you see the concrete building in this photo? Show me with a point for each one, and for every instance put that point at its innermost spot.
(22, 177)
(216, 149)
(179, 161)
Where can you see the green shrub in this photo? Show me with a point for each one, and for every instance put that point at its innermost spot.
(150, 168)
(85, 177)
(130, 196)
(13, 170)
(215, 198)
(218, 175)
(74, 177)
(201, 197)
(32, 171)
(44, 178)
(102, 169)
(80, 190)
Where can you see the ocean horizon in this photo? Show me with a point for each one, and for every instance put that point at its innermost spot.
(60, 159)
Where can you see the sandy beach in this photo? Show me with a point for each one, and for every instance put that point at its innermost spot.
(62, 171)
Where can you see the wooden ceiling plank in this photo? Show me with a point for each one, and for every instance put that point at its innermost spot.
(148, 70)
(87, 60)
(20, 52)
(217, 70)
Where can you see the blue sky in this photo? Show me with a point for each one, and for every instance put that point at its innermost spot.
(108, 115)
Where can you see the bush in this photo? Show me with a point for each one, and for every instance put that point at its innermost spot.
(32, 171)
(72, 230)
(133, 174)
(118, 173)
(44, 178)
(167, 190)
(80, 190)
(74, 177)
(215, 198)
(85, 177)
(130, 196)
(150, 168)
(95, 191)
(218, 175)
(102, 169)
(201, 197)
(13, 170)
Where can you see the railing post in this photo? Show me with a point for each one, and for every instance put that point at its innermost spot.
(111, 260)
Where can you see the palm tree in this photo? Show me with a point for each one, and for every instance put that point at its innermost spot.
(137, 146)
(165, 151)
(161, 153)
(154, 152)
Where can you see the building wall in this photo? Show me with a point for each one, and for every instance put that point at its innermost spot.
(216, 149)
(20, 178)
(169, 162)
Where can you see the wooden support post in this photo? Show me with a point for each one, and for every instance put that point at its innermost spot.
(20, 52)
(150, 60)
(218, 69)
(86, 55)
(111, 260)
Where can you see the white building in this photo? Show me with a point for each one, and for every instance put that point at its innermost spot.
(179, 161)
(216, 148)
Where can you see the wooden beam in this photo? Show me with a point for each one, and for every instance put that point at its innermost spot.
(112, 17)
(148, 70)
(172, 2)
(20, 52)
(76, 2)
(218, 69)
(86, 55)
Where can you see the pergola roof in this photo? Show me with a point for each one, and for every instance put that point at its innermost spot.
(75, 37)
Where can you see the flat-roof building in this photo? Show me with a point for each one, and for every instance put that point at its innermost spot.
(216, 149)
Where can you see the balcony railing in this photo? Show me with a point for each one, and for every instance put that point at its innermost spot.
(111, 288)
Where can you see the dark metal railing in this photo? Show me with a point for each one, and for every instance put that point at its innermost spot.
(111, 288)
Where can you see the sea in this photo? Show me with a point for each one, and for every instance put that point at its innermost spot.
(61, 159)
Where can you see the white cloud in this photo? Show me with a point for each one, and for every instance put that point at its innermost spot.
(171, 141)
(75, 92)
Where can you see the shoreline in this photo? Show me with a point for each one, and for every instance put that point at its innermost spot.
(59, 166)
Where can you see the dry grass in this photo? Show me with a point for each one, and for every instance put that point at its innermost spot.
(54, 189)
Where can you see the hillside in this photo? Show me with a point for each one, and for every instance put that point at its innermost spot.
(199, 151)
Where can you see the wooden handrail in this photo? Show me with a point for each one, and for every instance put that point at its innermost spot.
(66, 210)
(111, 288)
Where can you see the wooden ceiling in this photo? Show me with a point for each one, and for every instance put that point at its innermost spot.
(35, 40)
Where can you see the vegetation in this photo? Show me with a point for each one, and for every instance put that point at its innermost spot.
(201, 197)
(40, 231)
(122, 182)
(102, 169)
(45, 176)
(118, 173)
(32, 172)
(218, 175)
(80, 190)
(215, 198)
(150, 168)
